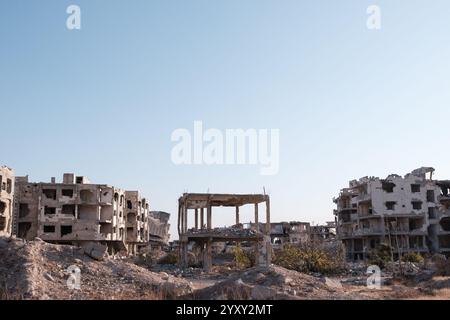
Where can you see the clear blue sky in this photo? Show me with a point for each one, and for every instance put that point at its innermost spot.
(348, 101)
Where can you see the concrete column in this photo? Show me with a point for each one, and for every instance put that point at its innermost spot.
(202, 222)
(182, 219)
(209, 217)
(185, 259)
(256, 218)
(185, 219)
(268, 244)
(180, 231)
(196, 219)
(237, 214)
(257, 232)
(268, 217)
(256, 246)
(208, 256)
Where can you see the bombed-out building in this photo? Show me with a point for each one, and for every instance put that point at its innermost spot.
(410, 214)
(203, 234)
(137, 215)
(74, 211)
(158, 228)
(323, 232)
(6, 200)
(293, 232)
(441, 231)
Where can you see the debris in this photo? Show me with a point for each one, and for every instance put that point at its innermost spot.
(95, 250)
(40, 271)
(332, 283)
(49, 277)
(263, 293)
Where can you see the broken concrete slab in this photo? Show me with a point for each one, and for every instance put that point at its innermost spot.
(95, 250)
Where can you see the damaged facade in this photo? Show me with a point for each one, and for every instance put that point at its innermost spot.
(137, 216)
(79, 212)
(73, 212)
(6, 200)
(323, 233)
(203, 235)
(410, 214)
(159, 229)
(293, 232)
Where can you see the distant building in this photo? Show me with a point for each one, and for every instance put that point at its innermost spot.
(323, 233)
(6, 200)
(158, 225)
(293, 232)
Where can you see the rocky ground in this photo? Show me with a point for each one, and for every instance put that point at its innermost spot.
(39, 270)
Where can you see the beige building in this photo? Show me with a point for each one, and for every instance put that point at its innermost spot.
(6, 200)
(411, 214)
(74, 211)
(158, 225)
(137, 215)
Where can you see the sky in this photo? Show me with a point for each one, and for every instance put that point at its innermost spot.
(104, 100)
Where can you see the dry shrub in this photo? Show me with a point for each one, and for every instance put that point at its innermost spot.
(311, 258)
(380, 256)
(412, 257)
(170, 258)
(243, 259)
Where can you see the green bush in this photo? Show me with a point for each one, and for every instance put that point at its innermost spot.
(412, 257)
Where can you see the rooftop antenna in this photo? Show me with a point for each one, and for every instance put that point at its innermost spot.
(264, 190)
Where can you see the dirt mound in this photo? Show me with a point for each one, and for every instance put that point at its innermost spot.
(39, 270)
(274, 283)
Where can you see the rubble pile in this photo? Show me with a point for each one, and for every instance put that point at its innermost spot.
(233, 231)
(39, 270)
(274, 283)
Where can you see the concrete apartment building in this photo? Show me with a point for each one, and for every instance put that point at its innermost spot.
(411, 214)
(6, 200)
(137, 221)
(73, 212)
(441, 231)
(293, 232)
(203, 234)
(323, 233)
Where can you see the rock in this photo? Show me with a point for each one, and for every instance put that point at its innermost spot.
(260, 277)
(95, 250)
(164, 275)
(289, 281)
(263, 293)
(37, 239)
(332, 283)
